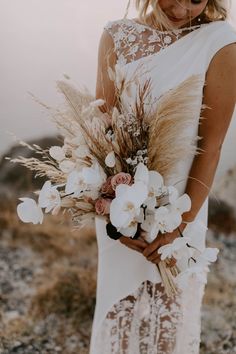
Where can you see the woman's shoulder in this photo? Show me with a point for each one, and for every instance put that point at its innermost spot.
(217, 36)
(220, 26)
(115, 23)
(123, 26)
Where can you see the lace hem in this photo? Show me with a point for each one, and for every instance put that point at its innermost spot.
(148, 322)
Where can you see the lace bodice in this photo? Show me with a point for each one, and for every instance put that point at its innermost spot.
(133, 40)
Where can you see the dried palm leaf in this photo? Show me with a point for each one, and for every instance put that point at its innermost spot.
(169, 142)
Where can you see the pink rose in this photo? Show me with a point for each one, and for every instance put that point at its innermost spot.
(121, 178)
(102, 206)
(107, 187)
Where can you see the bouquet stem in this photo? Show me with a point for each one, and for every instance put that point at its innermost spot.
(167, 275)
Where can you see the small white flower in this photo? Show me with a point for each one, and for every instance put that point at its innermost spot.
(57, 153)
(110, 160)
(131, 38)
(167, 39)
(66, 166)
(49, 198)
(29, 211)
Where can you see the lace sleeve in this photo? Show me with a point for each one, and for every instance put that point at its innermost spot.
(117, 33)
(127, 39)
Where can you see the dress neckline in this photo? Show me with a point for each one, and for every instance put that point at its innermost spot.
(177, 30)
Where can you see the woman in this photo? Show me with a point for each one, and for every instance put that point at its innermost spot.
(176, 39)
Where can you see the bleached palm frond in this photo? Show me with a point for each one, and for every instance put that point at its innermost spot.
(169, 141)
(77, 99)
(42, 168)
(78, 104)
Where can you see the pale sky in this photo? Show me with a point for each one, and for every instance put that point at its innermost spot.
(40, 41)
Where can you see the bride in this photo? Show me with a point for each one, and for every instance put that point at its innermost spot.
(169, 43)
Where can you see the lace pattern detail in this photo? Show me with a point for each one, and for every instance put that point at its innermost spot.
(148, 322)
(133, 40)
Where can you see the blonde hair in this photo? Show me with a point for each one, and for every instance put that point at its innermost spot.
(214, 10)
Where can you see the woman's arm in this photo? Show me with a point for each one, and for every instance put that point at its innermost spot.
(105, 88)
(220, 95)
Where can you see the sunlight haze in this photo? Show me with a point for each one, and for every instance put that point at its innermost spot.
(40, 41)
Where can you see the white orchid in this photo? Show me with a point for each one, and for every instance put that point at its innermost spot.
(155, 189)
(130, 230)
(94, 175)
(208, 256)
(75, 183)
(180, 204)
(49, 198)
(165, 219)
(176, 249)
(154, 182)
(89, 180)
(126, 205)
(29, 211)
(57, 153)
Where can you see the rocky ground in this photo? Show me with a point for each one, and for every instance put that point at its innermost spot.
(48, 283)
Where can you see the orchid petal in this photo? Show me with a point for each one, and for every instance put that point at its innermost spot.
(57, 153)
(66, 166)
(130, 230)
(29, 211)
(110, 159)
(141, 174)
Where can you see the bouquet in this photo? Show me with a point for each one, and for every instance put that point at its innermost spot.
(115, 164)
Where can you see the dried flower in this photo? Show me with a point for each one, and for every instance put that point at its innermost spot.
(121, 178)
(102, 206)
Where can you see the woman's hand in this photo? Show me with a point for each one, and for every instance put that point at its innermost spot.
(136, 245)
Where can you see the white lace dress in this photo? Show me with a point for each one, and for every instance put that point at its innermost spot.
(133, 315)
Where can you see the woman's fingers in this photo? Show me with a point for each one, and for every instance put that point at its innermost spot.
(153, 256)
(151, 248)
(156, 260)
(171, 262)
(137, 245)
